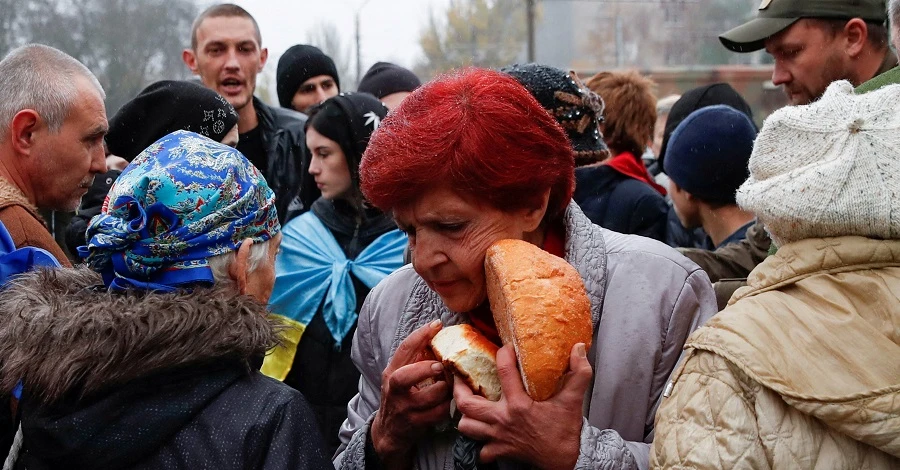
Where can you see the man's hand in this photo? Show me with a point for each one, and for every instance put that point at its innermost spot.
(544, 434)
(408, 406)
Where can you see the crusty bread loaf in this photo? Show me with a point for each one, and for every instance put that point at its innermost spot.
(471, 357)
(540, 307)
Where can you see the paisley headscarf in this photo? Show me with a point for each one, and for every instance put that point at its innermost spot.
(182, 200)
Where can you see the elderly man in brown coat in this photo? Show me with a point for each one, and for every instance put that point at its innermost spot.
(52, 123)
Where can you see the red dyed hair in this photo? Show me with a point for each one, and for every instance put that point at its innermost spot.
(480, 132)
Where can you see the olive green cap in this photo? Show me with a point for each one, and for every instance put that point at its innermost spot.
(776, 15)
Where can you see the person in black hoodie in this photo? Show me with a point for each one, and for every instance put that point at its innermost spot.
(148, 357)
(331, 257)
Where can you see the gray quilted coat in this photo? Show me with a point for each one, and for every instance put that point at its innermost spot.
(645, 300)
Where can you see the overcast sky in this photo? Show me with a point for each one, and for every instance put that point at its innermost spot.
(389, 28)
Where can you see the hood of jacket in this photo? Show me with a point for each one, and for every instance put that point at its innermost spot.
(66, 338)
(352, 232)
(818, 324)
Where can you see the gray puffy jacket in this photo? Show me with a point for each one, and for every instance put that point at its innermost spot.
(645, 301)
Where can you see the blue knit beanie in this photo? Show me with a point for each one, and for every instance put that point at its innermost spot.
(709, 152)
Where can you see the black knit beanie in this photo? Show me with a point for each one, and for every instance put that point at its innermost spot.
(348, 119)
(385, 78)
(297, 65)
(694, 99)
(165, 107)
(577, 109)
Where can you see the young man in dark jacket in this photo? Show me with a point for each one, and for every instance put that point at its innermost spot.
(226, 52)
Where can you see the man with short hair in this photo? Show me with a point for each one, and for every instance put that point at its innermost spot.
(226, 52)
(306, 76)
(816, 42)
(52, 123)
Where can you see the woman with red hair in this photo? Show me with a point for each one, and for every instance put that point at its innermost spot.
(469, 159)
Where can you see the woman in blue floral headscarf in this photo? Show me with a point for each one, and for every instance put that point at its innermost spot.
(149, 358)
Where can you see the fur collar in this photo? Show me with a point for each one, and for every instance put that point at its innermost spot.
(61, 336)
(10, 195)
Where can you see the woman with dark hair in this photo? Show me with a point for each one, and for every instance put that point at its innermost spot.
(469, 159)
(331, 257)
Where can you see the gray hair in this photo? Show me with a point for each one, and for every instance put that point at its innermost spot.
(219, 264)
(41, 78)
(894, 12)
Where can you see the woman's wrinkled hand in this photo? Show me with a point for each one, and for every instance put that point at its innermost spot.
(544, 434)
(414, 398)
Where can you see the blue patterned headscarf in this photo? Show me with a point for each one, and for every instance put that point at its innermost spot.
(182, 200)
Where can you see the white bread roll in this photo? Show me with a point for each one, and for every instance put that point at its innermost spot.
(470, 356)
(540, 307)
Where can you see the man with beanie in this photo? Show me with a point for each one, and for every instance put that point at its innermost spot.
(161, 108)
(801, 370)
(706, 163)
(305, 78)
(389, 83)
(815, 42)
(733, 261)
(226, 52)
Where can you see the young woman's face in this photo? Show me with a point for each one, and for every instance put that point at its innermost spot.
(328, 166)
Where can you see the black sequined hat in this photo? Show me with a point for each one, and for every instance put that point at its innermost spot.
(577, 109)
(165, 107)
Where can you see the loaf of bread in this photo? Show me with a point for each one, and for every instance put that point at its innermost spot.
(469, 356)
(540, 307)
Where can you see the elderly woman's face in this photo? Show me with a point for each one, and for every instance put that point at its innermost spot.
(448, 237)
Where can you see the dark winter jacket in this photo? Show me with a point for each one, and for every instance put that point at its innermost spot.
(620, 203)
(323, 370)
(147, 380)
(287, 170)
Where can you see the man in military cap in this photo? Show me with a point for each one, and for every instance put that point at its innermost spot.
(815, 42)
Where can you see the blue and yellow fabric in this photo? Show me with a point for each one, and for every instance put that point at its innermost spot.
(312, 270)
(182, 200)
(15, 261)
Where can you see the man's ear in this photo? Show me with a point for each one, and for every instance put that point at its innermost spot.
(190, 59)
(263, 57)
(856, 33)
(22, 128)
(240, 267)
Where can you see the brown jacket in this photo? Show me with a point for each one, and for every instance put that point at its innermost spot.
(735, 260)
(24, 224)
(801, 371)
